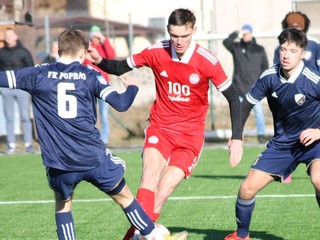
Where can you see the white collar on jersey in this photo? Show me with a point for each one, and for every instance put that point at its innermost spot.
(295, 75)
(66, 60)
(186, 56)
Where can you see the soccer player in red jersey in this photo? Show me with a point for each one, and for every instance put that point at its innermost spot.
(174, 137)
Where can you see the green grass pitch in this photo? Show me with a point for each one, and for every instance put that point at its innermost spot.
(203, 205)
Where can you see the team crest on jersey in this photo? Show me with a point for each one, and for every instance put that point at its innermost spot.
(308, 55)
(102, 80)
(153, 139)
(299, 98)
(194, 78)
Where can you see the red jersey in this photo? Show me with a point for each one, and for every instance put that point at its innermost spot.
(182, 85)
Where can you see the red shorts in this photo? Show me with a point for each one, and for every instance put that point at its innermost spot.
(179, 150)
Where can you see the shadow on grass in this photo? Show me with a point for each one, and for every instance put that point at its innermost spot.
(212, 234)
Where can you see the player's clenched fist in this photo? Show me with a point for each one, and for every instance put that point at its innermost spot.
(93, 55)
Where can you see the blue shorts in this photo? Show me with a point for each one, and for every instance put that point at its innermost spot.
(105, 177)
(281, 163)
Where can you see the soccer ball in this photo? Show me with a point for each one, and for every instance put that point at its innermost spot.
(160, 232)
(162, 229)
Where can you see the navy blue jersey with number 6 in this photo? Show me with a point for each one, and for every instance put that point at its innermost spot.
(64, 105)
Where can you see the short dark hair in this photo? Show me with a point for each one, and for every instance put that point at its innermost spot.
(181, 17)
(307, 22)
(71, 41)
(295, 36)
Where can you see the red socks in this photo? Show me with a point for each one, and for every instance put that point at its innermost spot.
(146, 199)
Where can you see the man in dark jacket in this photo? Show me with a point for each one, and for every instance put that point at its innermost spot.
(14, 56)
(250, 60)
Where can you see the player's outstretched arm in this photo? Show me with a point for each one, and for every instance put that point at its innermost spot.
(235, 144)
(235, 112)
(111, 66)
(128, 81)
(122, 101)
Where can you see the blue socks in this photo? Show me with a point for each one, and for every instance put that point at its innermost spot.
(65, 226)
(134, 212)
(138, 218)
(244, 209)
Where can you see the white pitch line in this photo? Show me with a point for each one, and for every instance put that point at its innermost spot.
(171, 198)
(228, 197)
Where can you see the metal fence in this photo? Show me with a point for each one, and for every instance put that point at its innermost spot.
(130, 125)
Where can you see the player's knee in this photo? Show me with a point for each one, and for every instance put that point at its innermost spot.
(247, 191)
(316, 182)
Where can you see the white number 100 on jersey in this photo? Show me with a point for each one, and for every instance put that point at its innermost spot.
(67, 104)
(178, 89)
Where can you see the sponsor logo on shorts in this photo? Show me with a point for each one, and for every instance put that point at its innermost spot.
(257, 159)
(153, 139)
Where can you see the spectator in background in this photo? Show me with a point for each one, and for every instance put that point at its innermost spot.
(300, 21)
(249, 61)
(104, 48)
(15, 56)
(53, 56)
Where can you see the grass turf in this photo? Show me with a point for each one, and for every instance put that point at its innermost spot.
(203, 205)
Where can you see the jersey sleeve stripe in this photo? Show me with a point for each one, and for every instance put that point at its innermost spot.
(207, 55)
(311, 76)
(11, 79)
(269, 71)
(131, 62)
(251, 99)
(224, 85)
(105, 92)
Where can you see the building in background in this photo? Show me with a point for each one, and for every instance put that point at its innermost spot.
(133, 25)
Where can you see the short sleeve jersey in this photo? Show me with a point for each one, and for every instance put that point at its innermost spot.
(181, 85)
(294, 102)
(64, 106)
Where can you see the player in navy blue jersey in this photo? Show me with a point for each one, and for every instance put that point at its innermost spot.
(301, 21)
(292, 89)
(64, 102)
